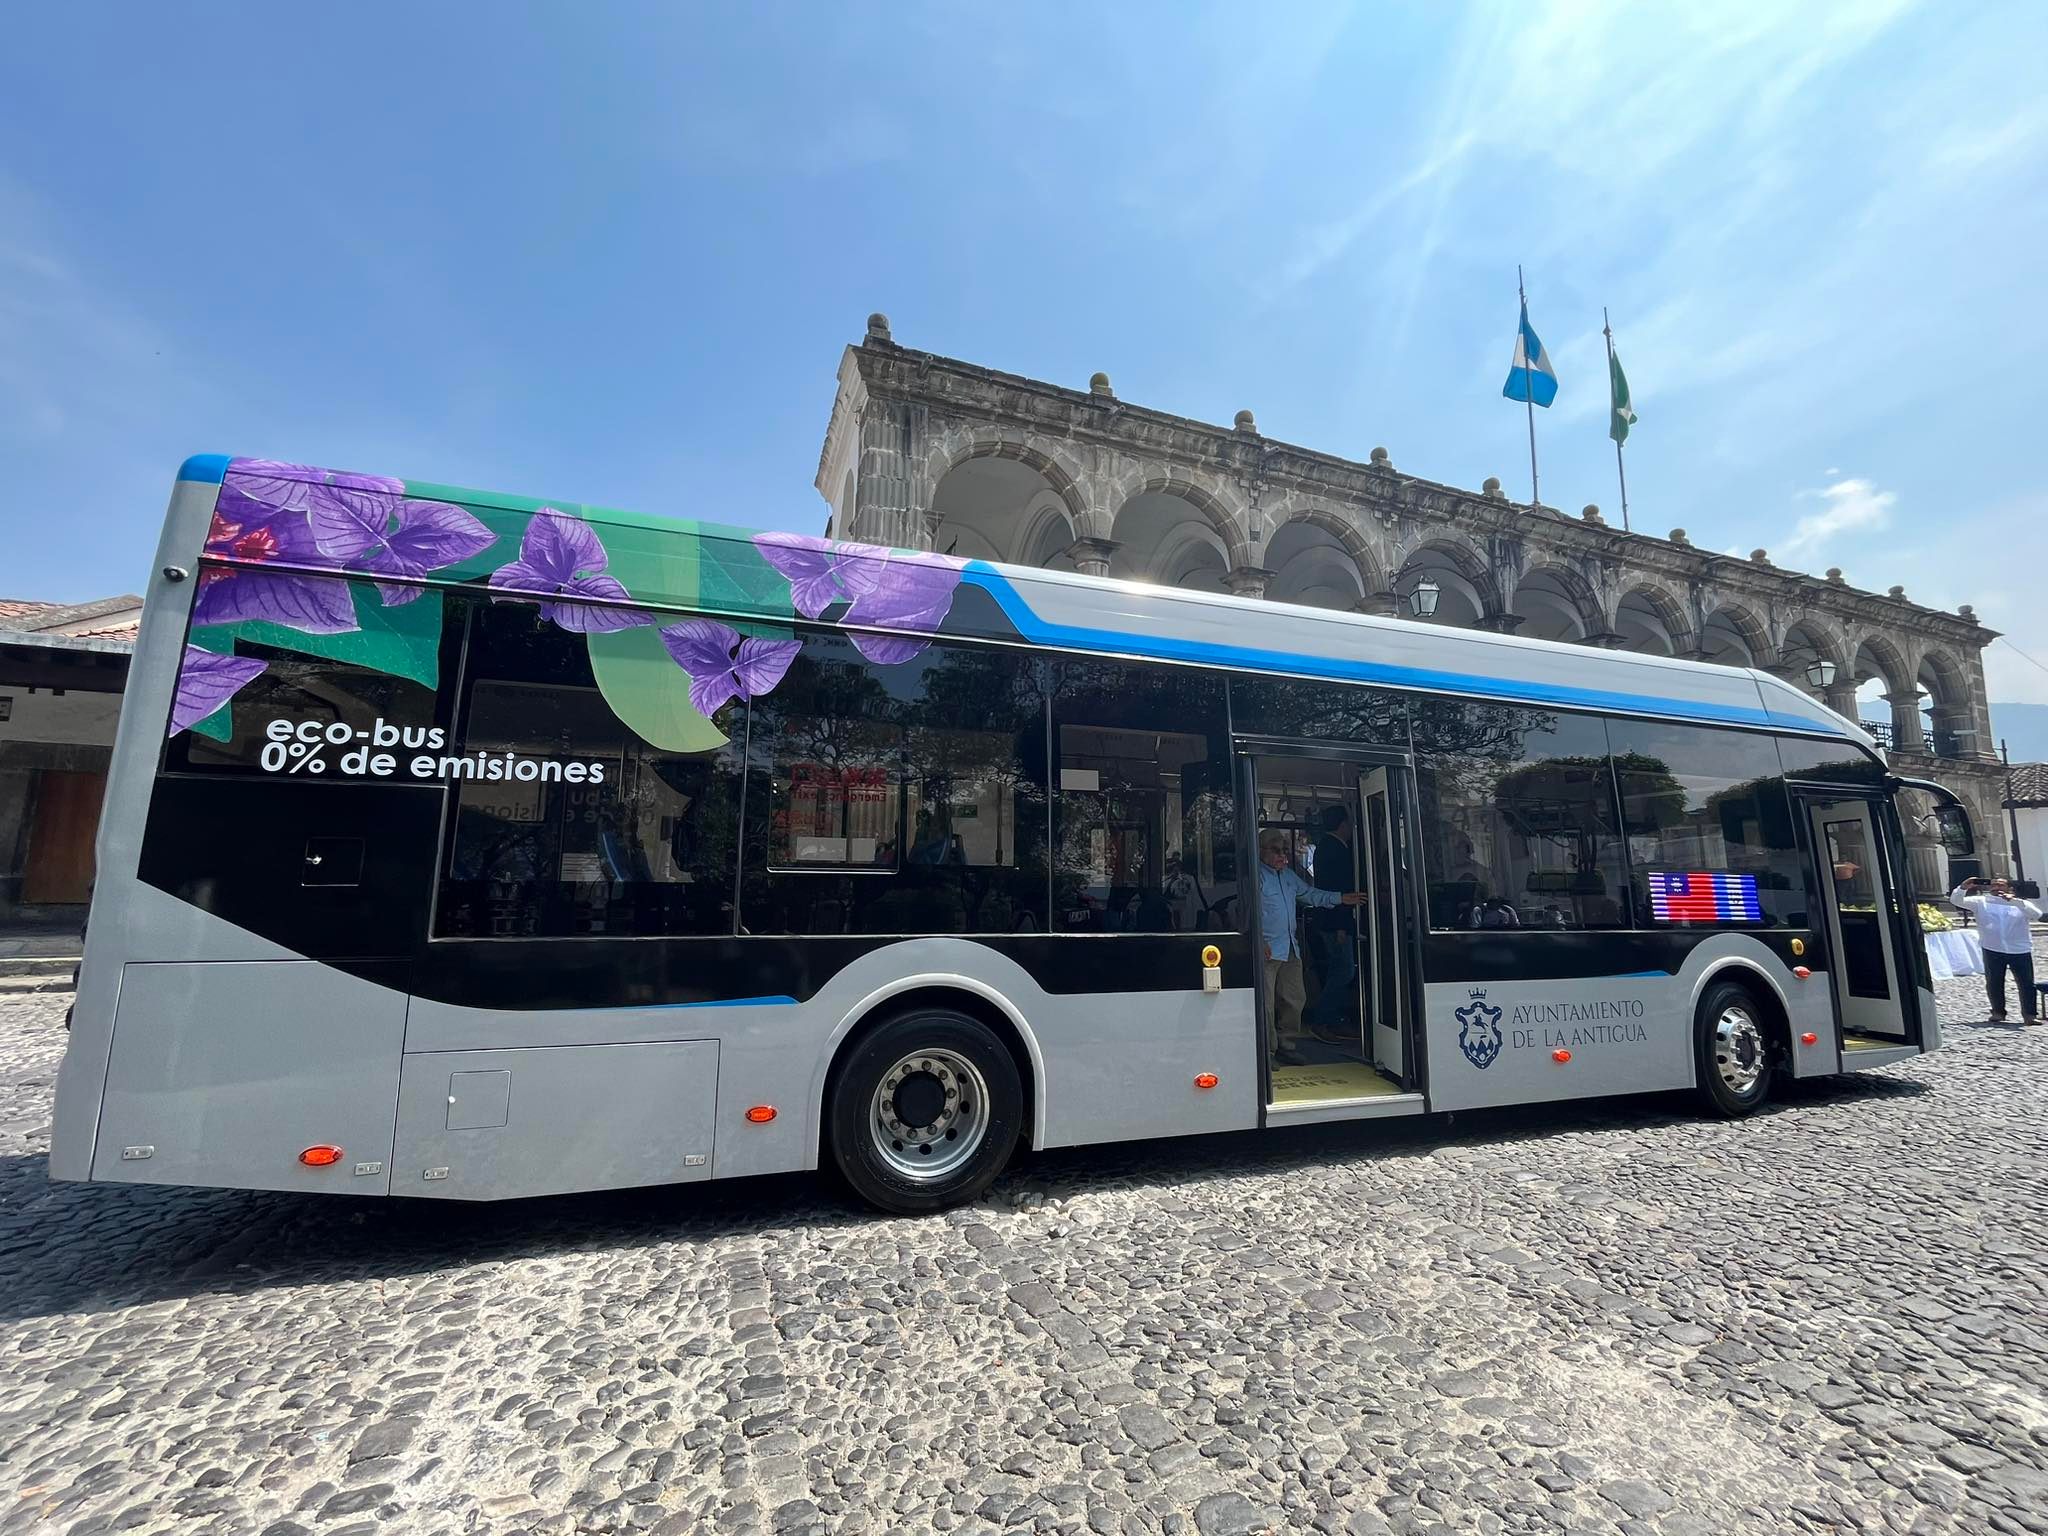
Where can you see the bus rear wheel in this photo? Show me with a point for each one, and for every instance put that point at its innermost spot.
(925, 1111)
(1732, 1051)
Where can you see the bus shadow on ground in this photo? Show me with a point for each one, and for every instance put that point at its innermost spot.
(87, 1248)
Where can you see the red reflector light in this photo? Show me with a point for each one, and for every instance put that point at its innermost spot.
(1560, 1055)
(320, 1157)
(1809, 1038)
(1205, 1079)
(761, 1114)
(1801, 972)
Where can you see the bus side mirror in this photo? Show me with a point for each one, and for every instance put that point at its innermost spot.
(1953, 824)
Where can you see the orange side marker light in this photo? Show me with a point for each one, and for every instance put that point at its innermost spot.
(320, 1157)
(1560, 1055)
(1205, 1079)
(761, 1114)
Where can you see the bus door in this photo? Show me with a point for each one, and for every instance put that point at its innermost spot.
(1383, 935)
(1336, 1023)
(1859, 888)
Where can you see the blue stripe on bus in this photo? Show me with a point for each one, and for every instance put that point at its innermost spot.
(737, 1002)
(205, 468)
(1167, 648)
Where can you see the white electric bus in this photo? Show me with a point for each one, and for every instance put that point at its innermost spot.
(470, 846)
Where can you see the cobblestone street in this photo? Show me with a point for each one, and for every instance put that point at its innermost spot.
(1616, 1317)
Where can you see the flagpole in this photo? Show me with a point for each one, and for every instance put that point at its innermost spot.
(1529, 394)
(1607, 330)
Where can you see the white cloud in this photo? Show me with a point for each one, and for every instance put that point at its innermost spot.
(1848, 507)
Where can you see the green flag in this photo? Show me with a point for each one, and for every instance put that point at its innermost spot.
(1624, 413)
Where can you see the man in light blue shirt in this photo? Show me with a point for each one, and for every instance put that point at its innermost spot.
(1281, 891)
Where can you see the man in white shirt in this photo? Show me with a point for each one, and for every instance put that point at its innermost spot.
(2002, 920)
(1281, 891)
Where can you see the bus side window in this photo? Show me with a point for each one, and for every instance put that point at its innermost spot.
(1518, 818)
(898, 796)
(565, 823)
(1144, 821)
(1697, 799)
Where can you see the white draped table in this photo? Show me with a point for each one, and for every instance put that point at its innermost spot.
(1955, 953)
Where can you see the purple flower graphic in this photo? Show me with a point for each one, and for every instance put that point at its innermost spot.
(561, 557)
(723, 666)
(891, 588)
(207, 680)
(381, 532)
(297, 515)
(255, 533)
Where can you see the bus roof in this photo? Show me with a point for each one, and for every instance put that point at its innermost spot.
(688, 566)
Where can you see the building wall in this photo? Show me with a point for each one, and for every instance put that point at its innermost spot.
(929, 452)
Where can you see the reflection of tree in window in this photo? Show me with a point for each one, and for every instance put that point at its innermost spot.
(1518, 818)
(1281, 706)
(933, 768)
(648, 851)
(1695, 798)
(1144, 838)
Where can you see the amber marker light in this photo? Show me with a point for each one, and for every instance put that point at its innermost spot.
(320, 1157)
(1799, 946)
(1809, 1038)
(761, 1114)
(1560, 1056)
(1211, 955)
(1206, 1079)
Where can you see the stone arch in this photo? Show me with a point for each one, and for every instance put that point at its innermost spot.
(1555, 602)
(1948, 715)
(1734, 636)
(1369, 569)
(1228, 528)
(1808, 639)
(1461, 570)
(1880, 678)
(1046, 535)
(1651, 619)
(991, 494)
(1877, 657)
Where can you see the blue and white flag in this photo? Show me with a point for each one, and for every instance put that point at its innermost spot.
(1531, 377)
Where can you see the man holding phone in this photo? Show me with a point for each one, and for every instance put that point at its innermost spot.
(2002, 920)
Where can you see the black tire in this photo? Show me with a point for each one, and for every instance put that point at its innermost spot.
(985, 1104)
(1734, 1054)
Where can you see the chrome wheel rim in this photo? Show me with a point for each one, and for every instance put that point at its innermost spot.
(1739, 1054)
(930, 1115)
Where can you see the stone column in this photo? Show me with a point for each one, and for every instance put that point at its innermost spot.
(1092, 556)
(1247, 580)
(1385, 605)
(1841, 698)
(1500, 623)
(1907, 736)
(1955, 732)
(887, 512)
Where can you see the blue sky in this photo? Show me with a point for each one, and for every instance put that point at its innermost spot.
(611, 253)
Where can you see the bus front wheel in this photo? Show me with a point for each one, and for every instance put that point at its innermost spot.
(925, 1111)
(1732, 1051)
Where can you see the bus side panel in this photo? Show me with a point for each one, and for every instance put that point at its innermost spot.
(1507, 1041)
(223, 1073)
(496, 1125)
(117, 898)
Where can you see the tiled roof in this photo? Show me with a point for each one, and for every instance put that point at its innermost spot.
(102, 618)
(2029, 784)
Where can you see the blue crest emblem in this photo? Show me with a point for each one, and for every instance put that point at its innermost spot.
(1479, 1030)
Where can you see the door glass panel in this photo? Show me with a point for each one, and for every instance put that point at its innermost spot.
(1854, 873)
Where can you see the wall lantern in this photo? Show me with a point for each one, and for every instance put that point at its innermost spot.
(1820, 672)
(1423, 599)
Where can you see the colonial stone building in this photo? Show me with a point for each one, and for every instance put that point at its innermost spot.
(928, 452)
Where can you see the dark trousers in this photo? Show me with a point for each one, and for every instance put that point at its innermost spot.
(2022, 968)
